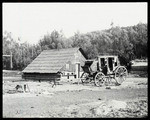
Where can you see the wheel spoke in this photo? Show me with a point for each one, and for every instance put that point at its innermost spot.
(120, 74)
(99, 79)
(85, 77)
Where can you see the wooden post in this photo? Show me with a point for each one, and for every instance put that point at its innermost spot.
(99, 63)
(78, 71)
(67, 75)
(11, 60)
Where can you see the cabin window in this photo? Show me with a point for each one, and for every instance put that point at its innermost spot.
(67, 66)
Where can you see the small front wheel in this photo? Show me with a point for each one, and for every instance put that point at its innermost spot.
(85, 78)
(99, 79)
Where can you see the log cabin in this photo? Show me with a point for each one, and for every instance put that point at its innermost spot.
(56, 63)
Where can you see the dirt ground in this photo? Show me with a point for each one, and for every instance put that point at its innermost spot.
(70, 99)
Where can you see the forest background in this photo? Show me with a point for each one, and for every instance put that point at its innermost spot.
(128, 43)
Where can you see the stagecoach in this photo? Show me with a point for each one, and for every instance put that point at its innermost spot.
(103, 69)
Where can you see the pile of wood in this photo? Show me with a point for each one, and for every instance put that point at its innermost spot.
(139, 65)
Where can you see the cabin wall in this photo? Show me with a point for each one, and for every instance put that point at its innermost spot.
(68, 67)
(70, 71)
(94, 66)
(77, 58)
(41, 76)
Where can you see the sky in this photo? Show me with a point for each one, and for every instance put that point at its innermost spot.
(30, 21)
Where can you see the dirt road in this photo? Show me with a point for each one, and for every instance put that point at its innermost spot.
(73, 100)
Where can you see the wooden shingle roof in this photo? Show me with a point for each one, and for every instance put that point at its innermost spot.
(51, 61)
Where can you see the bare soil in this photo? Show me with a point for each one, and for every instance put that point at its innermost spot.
(70, 99)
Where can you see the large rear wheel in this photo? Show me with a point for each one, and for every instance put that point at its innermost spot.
(99, 79)
(120, 74)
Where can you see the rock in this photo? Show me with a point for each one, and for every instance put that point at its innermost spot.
(107, 106)
(45, 92)
(72, 109)
(102, 110)
(115, 104)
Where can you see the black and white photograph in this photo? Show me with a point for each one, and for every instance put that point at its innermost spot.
(75, 60)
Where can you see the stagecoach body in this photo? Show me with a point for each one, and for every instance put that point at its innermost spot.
(103, 69)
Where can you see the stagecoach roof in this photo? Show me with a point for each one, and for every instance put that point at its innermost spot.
(104, 56)
(107, 54)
